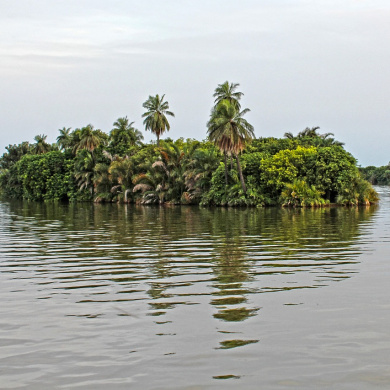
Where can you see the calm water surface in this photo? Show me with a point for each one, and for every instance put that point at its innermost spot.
(129, 297)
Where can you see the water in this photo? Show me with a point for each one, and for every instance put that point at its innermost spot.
(131, 297)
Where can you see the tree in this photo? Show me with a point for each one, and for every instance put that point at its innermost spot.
(84, 171)
(123, 136)
(155, 116)
(40, 146)
(64, 139)
(200, 170)
(90, 139)
(121, 170)
(227, 91)
(289, 135)
(14, 154)
(45, 176)
(102, 182)
(309, 132)
(230, 132)
(286, 166)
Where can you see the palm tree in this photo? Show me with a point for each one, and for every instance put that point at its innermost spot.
(227, 91)
(199, 171)
(230, 132)
(151, 184)
(121, 170)
(164, 179)
(177, 159)
(84, 171)
(155, 116)
(90, 139)
(40, 146)
(64, 139)
(74, 140)
(315, 138)
(289, 135)
(102, 182)
(123, 136)
(309, 132)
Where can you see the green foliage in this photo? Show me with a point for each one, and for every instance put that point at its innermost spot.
(10, 185)
(309, 169)
(228, 91)
(14, 154)
(227, 128)
(166, 176)
(123, 137)
(46, 177)
(286, 166)
(232, 194)
(83, 173)
(64, 140)
(199, 172)
(377, 175)
(40, 146)
(156, 115)
(356, 191)
(89, 139)
(299, 193)
(270, 146)
(333, 170)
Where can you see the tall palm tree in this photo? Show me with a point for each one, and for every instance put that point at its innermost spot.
(227, 91)
(230, 132)
(64, 139)
(155, 116)
(40, 146)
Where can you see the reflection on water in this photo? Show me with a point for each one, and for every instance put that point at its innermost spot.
(154, 275)
(227, 344)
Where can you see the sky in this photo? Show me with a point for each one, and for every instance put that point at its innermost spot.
(299, 63)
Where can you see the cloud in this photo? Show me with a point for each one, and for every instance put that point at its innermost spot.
(300, 63)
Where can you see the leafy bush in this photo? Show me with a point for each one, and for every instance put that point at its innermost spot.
(300, 194)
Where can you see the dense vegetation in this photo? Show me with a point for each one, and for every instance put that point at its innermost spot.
(377, 175)
(231, 167)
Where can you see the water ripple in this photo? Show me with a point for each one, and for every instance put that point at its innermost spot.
(66, 267)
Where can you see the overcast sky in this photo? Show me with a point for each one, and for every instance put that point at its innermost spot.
(299, 63)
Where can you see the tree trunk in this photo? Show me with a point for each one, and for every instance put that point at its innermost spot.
(241, 175)
(126, 192)
(158, 140)
(226, 173)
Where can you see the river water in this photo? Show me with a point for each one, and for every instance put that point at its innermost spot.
(132, 297)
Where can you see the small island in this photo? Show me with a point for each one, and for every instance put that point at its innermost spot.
(230, 168)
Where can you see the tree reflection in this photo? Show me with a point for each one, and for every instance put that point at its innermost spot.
(231, 269)
(171, 252)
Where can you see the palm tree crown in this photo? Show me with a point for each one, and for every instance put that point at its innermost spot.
(40, 146)
(227, 91)
(155, 116)
(64, 139)
(90, 139)
(228, 129)
(124, 135)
